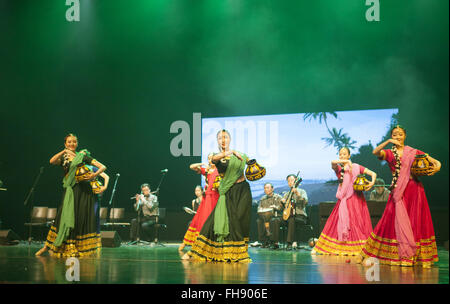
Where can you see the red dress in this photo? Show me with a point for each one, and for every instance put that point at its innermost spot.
(360, 226)
(204, 210)
(382, 243)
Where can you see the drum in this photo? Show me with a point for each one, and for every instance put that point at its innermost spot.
(265, 214)
(254, 171)
(216, 182)
(82, 173)
(360, 183)
(421, 165)
(96, 186)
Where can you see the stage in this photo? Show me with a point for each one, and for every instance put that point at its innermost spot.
(146, 264)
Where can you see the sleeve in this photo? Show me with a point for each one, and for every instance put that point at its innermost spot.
(338, 171)
(140, 201)
(260, 202)
(303, 195)
(155, 202)
(388, 156)
(203, 171)
(277, 198)
(148, 203)
(361, 169)
(278, 203)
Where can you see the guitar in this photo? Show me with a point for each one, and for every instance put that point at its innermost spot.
(289, 206)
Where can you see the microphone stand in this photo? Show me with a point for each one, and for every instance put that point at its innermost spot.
(30, 197)
(138, 232)
(160, 181)
(157, 219)
(112, 200)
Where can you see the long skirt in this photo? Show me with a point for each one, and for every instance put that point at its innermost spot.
(360, 228)
(203, 212)
(83, 239)
(382, 243)
(235, 246)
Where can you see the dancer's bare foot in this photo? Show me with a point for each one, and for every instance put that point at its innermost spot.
(41, 251)
(181, 247)
(186, 256)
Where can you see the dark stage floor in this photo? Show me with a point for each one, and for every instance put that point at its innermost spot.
(146, 264)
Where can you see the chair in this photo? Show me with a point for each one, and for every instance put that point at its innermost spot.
(103, 215)
(38, 220)
(51, 216)
(160, 220)
(116, 219)
(116, 214)
(306, 228)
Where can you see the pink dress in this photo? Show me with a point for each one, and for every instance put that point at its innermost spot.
(204, 210)
(346, 239)
(383, 242)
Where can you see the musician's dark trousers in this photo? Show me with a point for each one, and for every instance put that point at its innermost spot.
(275, 224)
(147, 222)
(262, 232)
(291, 223)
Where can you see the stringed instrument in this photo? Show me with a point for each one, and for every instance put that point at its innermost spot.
(289, 206)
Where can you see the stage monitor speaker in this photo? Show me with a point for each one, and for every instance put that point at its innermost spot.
(8, 237)
(110, 239)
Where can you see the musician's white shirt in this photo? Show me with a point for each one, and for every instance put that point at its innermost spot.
(301, 199)
(270, 201)
(149, 205)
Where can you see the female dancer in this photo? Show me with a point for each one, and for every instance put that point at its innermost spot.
(207, 205)
(349, 225)
(99, 193)
(75, 230)
(225, 234)
(198, 200)
(192, 232)
(404, 235)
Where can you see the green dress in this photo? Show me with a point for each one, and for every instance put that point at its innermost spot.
(83, 239)
(232, 244)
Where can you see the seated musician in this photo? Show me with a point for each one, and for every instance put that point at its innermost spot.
(298, 215)
(268, 205)
(380, 192)
(148, 204)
